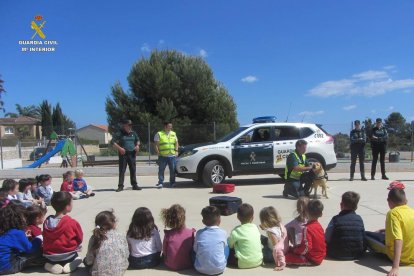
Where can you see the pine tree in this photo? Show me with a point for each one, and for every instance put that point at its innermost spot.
(58, 121)
(171, 86)
(46, 121)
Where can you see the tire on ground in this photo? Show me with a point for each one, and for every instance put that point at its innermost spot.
(213, 173)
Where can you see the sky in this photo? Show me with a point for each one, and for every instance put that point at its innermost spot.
(327, 62)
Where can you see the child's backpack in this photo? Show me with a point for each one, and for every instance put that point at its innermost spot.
(226, 204)
(223, 188)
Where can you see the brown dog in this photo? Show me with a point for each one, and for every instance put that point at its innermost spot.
(319, 180)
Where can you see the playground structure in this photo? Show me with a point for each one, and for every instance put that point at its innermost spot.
(65, 146)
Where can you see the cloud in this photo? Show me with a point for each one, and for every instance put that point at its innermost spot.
(249, 79)
(161, 41)
(390, 108)
(371, 75)
(145, 48)
(369, 83)
(203, 53)
(349, 107)
(389, 67)
(311, 113)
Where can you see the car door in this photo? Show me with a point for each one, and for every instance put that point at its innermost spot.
(285, 138)
(253, 151)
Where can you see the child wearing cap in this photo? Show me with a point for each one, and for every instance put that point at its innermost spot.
(396, 241)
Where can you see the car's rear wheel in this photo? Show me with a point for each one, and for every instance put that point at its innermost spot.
(213, 173)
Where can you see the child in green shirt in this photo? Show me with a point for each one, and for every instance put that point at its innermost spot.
(245, 240)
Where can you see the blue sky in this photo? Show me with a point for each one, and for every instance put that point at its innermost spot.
(332, 61)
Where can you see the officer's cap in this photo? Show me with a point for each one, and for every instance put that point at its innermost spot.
(357, 122)
(378, 120)
(126, 122)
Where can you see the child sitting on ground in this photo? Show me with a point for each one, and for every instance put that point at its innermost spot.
(12, 188)
(276, 242)
(45, 190)
(79, 183)
(345, 234)
(35, 215)
(245, 240)
(178, 240)
(144, 240)
(33, 189)
(397, 240)
(16, 251)
(312, 249)
(108, 249)
(210, 245)
(25, 195)
(67, 186)
(295, 227)
(62, 236)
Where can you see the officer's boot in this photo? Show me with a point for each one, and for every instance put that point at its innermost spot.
(363, 177)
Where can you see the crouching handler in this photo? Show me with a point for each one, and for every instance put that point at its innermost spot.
(296, 165)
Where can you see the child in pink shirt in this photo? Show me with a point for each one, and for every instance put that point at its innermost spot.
(178, 240)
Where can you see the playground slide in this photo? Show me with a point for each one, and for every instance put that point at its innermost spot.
(43, 159)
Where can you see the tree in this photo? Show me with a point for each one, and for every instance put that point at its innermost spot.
(399, 132)
(58, 121)
(341, 143)
(171, 86)
(2, 91)
(46, 118)
(29, 111)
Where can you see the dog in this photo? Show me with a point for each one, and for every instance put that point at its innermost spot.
(319, 180)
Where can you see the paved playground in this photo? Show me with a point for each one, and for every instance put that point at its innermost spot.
(260, 191)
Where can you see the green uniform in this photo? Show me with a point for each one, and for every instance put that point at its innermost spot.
(128, 141)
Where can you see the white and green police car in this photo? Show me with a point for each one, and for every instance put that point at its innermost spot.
(259, 148)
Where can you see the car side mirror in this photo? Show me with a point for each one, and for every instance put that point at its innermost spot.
(241, 140)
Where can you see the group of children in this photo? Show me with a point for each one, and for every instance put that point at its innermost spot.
(302, 241)
(38, 191)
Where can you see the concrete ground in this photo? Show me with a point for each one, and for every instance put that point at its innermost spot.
(259, 191)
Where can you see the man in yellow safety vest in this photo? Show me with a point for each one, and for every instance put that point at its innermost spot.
(166, 146)
(296, 165)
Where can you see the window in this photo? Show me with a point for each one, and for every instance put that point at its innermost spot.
(306, 132)
(9, 130)
(286, 133)
(261, 134)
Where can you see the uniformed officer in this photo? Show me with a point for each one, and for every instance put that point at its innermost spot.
(126, 141)
(358, 139)
(379, 139)
(296, 165)
(166, 146)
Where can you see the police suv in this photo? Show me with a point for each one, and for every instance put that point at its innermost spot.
(259, 148)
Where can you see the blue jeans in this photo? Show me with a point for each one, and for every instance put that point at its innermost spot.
(162, 163)
(145, 262)
(293, 188)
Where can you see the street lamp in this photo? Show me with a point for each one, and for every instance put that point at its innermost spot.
(412, 140)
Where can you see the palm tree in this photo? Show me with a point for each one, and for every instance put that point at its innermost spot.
(2, 91)
(29, 111)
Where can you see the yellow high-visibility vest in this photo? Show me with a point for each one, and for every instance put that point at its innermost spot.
(295, 174)
(167, 143)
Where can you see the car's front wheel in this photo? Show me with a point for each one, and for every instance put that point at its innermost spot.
(213, 173)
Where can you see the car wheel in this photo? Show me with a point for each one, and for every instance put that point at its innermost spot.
(213, 173)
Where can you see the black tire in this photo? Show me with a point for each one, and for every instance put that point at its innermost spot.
(213, 173)
(314, 160)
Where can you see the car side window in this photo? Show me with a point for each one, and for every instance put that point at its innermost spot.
(286, 133)
(306, 132)
(260, 134)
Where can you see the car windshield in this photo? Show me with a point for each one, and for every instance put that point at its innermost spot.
(232, 134)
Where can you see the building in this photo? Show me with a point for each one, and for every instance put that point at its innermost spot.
(20, 127)
(95, 133)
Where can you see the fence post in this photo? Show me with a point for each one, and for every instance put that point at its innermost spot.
(19, 145)
(149, 143)
(214, 131)
(1, 151)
